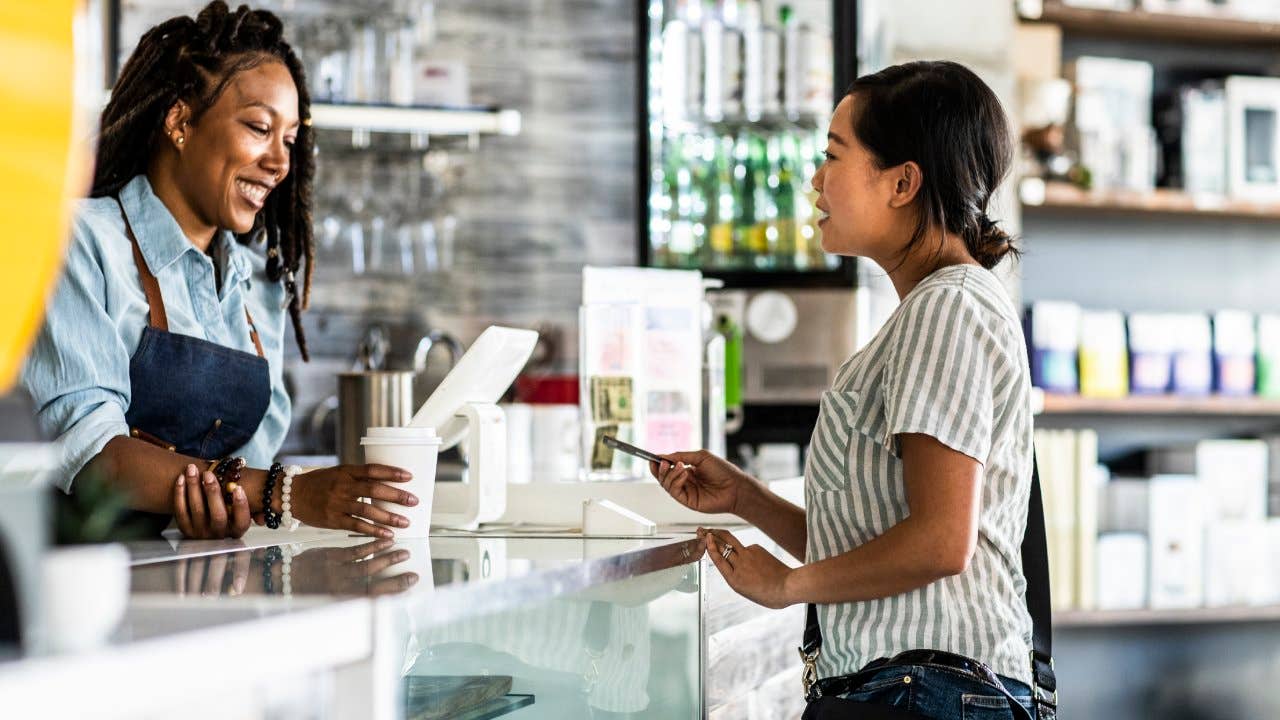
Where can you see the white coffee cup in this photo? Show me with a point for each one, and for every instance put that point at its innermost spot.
(519, 442)
(413, 449)
(557, 450)
(72, 574)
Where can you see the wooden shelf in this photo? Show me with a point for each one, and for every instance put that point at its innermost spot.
(1162, 405)
(1218, 28)
(431, 121)
(1190, 616)
(1062, 196)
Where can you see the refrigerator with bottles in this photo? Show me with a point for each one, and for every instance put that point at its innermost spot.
(735, 98)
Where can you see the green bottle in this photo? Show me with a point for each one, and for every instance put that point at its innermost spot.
(732, 333)
(660, 192)
(682, 202)
(722, 205)
(763, 238)
(787, 197)
(744, 181)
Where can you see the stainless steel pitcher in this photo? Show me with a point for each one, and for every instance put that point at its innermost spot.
(371, 398)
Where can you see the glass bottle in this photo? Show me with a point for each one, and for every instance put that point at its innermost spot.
(722, 205)
(762, 241)
(660, 206)
(744, 179)
(784, 182)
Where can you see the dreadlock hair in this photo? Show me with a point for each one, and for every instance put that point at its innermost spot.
(193, 60)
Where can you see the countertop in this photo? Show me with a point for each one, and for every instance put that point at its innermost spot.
(211, 604)
(451, 575)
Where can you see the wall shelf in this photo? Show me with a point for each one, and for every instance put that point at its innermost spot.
(430, 121)
(1190, 616)
(1169, 27)
(1063, 196)
(1162, 405)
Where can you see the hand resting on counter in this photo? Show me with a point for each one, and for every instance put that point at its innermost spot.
(324, 498)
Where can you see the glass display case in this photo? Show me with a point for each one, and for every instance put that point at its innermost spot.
(467, 627)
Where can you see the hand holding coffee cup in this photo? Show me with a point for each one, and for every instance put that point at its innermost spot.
(331, 498)
(414, 449)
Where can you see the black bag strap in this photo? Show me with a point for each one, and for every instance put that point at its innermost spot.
(1035, 568)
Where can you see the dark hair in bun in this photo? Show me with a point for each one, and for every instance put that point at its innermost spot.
(942, 116)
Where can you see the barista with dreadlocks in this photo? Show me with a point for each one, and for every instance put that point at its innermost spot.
(159, 364)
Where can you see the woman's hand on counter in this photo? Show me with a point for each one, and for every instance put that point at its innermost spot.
(752, 572)
(330, 498)
(200, 511)
(702, 481)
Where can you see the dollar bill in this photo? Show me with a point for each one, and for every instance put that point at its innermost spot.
(601, 454)
(612, 399)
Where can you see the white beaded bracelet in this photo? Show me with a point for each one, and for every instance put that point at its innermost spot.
(287, 521)
(286, 569)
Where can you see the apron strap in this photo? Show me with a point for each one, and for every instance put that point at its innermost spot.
(156, 316)
(253, 333)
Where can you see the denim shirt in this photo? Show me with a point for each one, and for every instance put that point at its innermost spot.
(78, 370)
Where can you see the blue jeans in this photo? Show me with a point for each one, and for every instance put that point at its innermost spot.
(941, 693)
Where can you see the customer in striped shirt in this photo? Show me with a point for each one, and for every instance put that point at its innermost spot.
(919, 471)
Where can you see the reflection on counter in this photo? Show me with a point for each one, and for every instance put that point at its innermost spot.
(629, 647)
(366, 569)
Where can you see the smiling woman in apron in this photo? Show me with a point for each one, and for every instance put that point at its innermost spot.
(919, 473)
(159, 366)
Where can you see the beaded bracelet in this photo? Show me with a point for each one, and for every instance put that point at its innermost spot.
(272, 555)
(282, 554)
(228, 471)
(286, 570)
(286, 498)
(269, 515)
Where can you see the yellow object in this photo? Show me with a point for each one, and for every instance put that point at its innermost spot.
(41, 167)
(1104, 374)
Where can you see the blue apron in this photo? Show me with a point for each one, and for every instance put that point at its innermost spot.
(189, 395)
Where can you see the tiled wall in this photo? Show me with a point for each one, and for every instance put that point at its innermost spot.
(531, 209)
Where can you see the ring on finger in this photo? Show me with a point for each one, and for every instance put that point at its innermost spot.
(726, 551)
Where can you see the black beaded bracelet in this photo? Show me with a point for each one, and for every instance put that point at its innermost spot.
(271, 517)
(272, 556)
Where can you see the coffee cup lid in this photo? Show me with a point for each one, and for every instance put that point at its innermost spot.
(401, 434)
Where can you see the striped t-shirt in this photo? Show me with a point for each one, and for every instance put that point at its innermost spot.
(950, 362)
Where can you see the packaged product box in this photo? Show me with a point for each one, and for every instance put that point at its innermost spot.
(1122, 571)
(1234, 349)
(1235, 572)
(1151, 347)
(1104, 357)
(1192, 339)
(1176, 536)
(1269, 355)
(1053, 334)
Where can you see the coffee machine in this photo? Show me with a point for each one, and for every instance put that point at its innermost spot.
(794, 341)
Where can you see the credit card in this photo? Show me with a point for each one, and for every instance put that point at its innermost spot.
(617, 444)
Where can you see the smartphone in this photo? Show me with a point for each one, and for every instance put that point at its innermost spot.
(617, 444)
